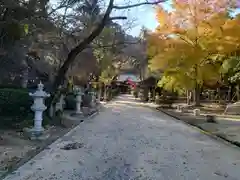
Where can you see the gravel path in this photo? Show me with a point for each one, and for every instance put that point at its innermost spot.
(130, 142)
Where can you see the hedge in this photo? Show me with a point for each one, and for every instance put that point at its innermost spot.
(111, 93)
(15, 108)
(15, 102)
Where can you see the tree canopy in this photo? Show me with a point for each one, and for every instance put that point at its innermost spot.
(191, 41)
(54, 38)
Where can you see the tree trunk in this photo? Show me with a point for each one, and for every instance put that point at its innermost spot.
(99, 94)
(189, 97)
(197, 92)
(25, 78)
(80, 47)
(218, 95)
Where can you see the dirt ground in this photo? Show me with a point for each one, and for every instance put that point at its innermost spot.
(15, 149)
(226, 127)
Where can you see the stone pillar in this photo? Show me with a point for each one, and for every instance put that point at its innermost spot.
(38, 108)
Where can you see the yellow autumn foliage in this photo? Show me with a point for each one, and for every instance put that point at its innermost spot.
(186, 42)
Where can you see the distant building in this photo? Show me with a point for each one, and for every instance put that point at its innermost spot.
(128, 76)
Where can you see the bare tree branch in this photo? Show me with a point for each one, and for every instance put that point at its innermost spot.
(64, 4)
(139, 4)
(113, 44)
(117, 17)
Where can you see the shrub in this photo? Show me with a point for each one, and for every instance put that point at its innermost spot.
(86, 100)
(14, 106)
(135, 93)
(11, 86)
(70, 101)
(167, 100)
(115, 92)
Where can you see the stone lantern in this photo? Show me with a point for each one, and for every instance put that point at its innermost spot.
(38, 107)
(93, 99)
(78, 100)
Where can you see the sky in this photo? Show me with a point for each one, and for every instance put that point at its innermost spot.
(141, 16)
(145, 16)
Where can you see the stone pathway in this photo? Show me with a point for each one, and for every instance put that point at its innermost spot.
(130, 142)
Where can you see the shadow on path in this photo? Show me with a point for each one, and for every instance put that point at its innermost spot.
(128, 141)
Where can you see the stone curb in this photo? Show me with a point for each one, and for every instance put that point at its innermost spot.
(39, 149)
(202, 130)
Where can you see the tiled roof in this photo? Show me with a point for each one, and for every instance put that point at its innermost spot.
(124, 77)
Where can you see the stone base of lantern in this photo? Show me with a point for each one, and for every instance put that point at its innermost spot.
(78, 115)
(85, 110)
(32, 134)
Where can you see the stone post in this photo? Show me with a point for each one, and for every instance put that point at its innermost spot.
(179, 108)
(38, 107)
(196, 112)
